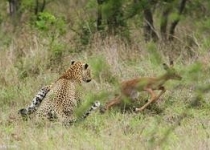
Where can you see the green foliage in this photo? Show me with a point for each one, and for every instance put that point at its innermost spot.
(204, 26)
(91, 5)
(9, 129)
(56, 51)
(101, 70)
(134, 9)
(155, 54)
(113, 7)
(198, 9)
(87, 29)
(47, 22)
(174, 16)
(200, 100)
(27, 4)
(114, 19)
(194, 71)
(1, 18)
(26, 68)
(185, 106)
(6, 95)
(5, 39)
(98, 64)
(53, 27)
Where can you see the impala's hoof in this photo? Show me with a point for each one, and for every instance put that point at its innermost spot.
(137, 110)
(102, 110)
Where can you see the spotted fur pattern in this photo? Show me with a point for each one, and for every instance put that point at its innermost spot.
(35, 102)
(63, 96)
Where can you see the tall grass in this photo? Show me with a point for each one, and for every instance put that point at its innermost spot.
(112, 62)
(179, 120)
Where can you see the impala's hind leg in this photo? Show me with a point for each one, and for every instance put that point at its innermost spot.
(163, 90)
(111, 103)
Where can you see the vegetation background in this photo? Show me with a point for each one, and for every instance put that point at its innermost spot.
(120, 39)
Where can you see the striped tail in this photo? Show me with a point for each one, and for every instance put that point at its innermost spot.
(86, 114)
(92, 108)
(35, 102)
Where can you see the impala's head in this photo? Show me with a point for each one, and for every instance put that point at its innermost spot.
(171, 72)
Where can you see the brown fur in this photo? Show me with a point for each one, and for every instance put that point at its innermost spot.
(130, 89)
(64, 96)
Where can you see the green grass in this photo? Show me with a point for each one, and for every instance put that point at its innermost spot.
(179, 119)
(112, 131)
(179, 125)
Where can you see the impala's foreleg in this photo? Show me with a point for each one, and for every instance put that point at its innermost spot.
(163, 90)
(152, 99)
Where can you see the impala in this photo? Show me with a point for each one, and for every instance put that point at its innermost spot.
(130, 89)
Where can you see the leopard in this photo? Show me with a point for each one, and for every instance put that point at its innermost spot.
(60, 99)
(36, 101)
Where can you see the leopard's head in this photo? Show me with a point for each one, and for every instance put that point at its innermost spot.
(78, 71)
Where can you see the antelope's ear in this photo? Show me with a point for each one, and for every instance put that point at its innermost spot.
(171, 63)
(72, 62)
(86, 66)
(165, 66)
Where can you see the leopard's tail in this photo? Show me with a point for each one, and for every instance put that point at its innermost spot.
(92, 108)
(35, 102)
(95, 106)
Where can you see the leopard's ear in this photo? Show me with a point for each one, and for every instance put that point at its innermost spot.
(86, 66)
(72, 62)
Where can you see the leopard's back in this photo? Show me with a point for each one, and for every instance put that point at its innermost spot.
(59, 100)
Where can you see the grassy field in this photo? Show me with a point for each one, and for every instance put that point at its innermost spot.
(179, 120)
